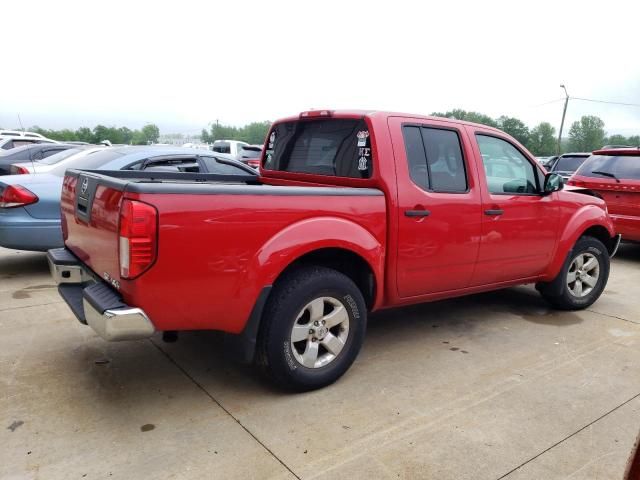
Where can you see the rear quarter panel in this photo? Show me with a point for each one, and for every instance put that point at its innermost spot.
(217, 252)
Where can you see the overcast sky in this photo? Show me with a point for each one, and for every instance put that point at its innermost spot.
(184, 64)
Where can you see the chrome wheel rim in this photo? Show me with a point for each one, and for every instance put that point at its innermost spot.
(583, 275)
(320, 332)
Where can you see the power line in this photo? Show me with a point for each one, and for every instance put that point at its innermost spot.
(605, 101)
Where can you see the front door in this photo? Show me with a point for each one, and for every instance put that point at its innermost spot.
(439, 217)
(520, 225)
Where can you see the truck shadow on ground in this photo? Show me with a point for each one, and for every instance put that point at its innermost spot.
(629, 251)
(23, 264)
(201, 355)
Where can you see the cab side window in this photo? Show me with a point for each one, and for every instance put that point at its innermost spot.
(435, 159)
(508, 171)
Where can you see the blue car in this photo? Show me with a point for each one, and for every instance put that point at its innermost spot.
(30, 204)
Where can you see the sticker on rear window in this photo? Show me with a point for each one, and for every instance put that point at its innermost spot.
(272, 140)
(362, 138)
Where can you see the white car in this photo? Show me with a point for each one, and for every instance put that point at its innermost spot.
(230, 147)
(14, 138)
(49, 163)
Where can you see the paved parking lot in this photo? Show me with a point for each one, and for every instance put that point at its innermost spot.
(487, 387)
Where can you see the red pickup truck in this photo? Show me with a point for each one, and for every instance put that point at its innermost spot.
(352, 212)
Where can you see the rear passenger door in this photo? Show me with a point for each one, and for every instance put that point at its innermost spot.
(439, 216)
(519, 223)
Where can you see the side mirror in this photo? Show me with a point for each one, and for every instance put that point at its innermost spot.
(553, 183)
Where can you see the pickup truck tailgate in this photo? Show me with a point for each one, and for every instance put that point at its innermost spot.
(90, 211)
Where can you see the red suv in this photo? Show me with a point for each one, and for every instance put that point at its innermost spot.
(614, 174)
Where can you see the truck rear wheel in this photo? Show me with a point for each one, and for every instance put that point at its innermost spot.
(312, 329)
(583, 276)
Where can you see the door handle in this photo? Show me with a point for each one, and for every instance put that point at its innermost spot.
(417, 213)
(496, 211)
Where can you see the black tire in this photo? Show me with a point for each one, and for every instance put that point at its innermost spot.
(558, 293)
(296, 290)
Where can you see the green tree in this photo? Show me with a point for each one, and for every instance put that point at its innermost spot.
(587, 134)
(84, 134)
(475, 117)
(634, 141)
(151, 132)
(255, 132)
(542, 139)
(514, 127)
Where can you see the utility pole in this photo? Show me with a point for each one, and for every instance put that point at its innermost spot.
(564, 112)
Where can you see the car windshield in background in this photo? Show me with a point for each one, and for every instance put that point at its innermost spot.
(569, 164)
(621, 166)
(87, 162)
(57, 157)
(335, 147)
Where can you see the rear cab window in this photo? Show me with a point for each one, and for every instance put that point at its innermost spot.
(435, 159)
(338, 147)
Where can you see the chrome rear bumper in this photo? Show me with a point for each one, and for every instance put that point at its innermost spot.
(93, 302)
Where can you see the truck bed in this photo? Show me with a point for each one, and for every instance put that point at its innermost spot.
(220, 238)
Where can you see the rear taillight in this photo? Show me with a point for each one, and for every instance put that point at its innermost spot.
(18, 170)
(253, 163)
(13, 196)
(138, 237)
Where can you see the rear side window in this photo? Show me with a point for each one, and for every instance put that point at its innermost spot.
(332, 147)
(568, 163)
(621, 166)
(222, 168)
(222, 147)
(435, 159)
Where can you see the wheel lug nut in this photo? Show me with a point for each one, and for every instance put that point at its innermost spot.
(316, 323)
(314, 339)
(311, 331)
(324, 321)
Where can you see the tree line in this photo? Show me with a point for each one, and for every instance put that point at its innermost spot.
(146, 135)
(253, 133)
(585, 135)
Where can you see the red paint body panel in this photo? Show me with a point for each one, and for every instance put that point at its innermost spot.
(217, 252)
(623, 202)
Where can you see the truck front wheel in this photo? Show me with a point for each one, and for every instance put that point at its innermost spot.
(583, 276)
(312, 329)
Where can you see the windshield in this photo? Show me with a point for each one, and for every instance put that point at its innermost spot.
(622, 166)
(335, 147)
(568, 164)
(57, 157)
(88, 161)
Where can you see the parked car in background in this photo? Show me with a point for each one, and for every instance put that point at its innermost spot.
(614, 175)
(352, 212)
(20, 133)
(66, 157)
(12, 138)
(29, 153)
(30, 204)
(251, 154)
(567, 163)
(546, 162)
(229, 147)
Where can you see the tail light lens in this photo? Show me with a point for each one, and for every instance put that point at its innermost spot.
(253, 163)
(18, 170)
(138, 238)
(12, 196)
